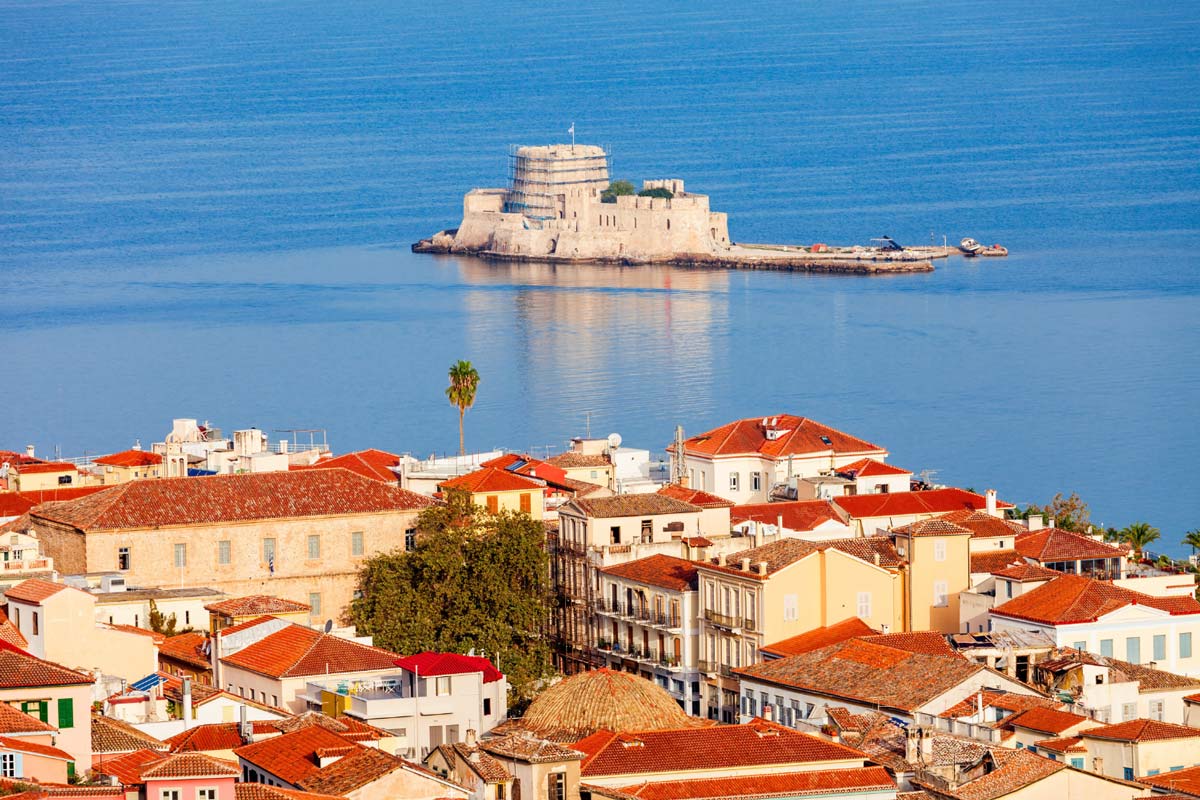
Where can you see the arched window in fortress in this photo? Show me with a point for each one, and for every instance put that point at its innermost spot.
(668, 223)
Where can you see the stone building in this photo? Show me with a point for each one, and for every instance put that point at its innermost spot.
(554, 209)
(298, 535)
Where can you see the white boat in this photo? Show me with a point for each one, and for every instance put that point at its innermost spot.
(970, 247)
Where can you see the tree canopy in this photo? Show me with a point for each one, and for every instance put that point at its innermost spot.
(475, 580)
(657, 191)
(464, 382)
(1138, 535)
(1069, 513)
(1192, 539)
(616, 189)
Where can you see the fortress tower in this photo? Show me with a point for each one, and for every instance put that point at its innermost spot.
(541, 177)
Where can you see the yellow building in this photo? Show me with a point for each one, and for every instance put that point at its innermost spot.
(43, 475)
(499, 490)
(128, 465)
(586, 461)
(938, 553)
(300, 535)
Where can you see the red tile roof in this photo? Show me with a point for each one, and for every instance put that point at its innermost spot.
(932, 527)
(756, 743)
(231, 498)
(1141, 730)
(798, 515)
(633, 505)
(22, 745)
(430, 664)
(667, 572)
(296, 651)
(188, 765)
(14, 721)
(11, 634)
(1019, 769)
(14, 504)
(127, 768)
(820, 637)
(130, 458)
(1046, 720)
(293, 758)
(904, 504)
(573, 460)
(870, 468)
(260, 791)
(490, 479)
(256, 605)
(247, 624)
(1056, 544)
(794, 436)
(19, 669)
(1186, 781)
(34, 590)
(1065, 744)
(45, 466)
(373, 464)
(776, 555)
(696, 497)
(928, 642)
(111, 735)
(215, 737)
(787, 784)
(1027, 572)
(1074, 598)
(996, 698)
(186, 647)
(866, 548)
(533, 468)
(990, 561)
(983, 525)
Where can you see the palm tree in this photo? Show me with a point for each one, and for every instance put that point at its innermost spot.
(1138, 535)
(1192, 540)
(464, 380)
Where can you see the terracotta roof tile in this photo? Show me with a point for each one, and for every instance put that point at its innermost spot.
(866, 548)
(115, 736)
(478, 760)
(787, 784)
(214, 737)
(755, 743)
(188, 765)
(522, 747)
(291, 756)
(1027, 572)
(856, 670)
(127, 768)
(983, 525)
(820, 637)
(871, 468)
(256, 605)
(1186, 781)
(491, 479)
(130, 458)
(994, 698)
(19, 669)
(777, 555)
(296, 651)
(33, 590)
(44, 467)
(1141, 730)
(1074, 598)
(904, 504)
(14, 504)
(696, 497)
(1046, 720)
(792, 436)
(429, 664)
(602, 699)
(14, 721)
(927, 642)
(1066, 744)
(373, 464)
(991, 561)
(1019, 769)
(633, 505)
(798, 515)
(667, 572)
(932, 527)
(186, 647)
(22, 745)
(231, 498)
(1056, 544)
(261, 791)
(572, 460)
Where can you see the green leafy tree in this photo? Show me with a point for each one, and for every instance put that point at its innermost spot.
(1138, 535)
(464, 382)
(475, 580)
(1192, 540)
(615, 190)
(162, 623)
(657, 191)
(1069, 513)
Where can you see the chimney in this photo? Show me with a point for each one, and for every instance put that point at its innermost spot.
(1035, 522)
(283, 445)
(470, 742)
(779, 526)
(877, 558)
(745, 565)
(29, 451)
(990, 499)
(720, 559)
(187, 703)
(768, 712)
(762, 568)
(244, 730)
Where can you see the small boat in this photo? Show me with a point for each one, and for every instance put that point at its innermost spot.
(970, 247)
(994, 250)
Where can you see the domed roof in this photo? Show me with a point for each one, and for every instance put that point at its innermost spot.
(606, 699)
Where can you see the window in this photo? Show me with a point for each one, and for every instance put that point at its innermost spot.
(1129, 773)
(647, 531)
(410, 539)
(314, 600)
(939, 549)
(269, 553)
(1106, 648)
(1185, 645)
(180, 555)
(66, 713)
(756, 481)
(1160, 647)
(733, 481)
(169, 794)
(487, 706)
(1077, 763)
(224, 552)
(1156, 710)
(37, 708)
(881, 488)
(1081, 646)
(526, 502)
(864, 605)
(123, 558)
(356, 543)
(1128, 711)
(314, 546)
(8, 765)
(35, 623)
(493, 503)
(1133, 650)
(614, 534)
(206, 794)
(941, 593)
(442, 688)
(791, 607)
(556, 786)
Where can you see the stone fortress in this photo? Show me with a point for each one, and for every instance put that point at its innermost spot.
(553, 210)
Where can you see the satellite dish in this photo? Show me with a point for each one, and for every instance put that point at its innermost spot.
(328, 625)
(614, 440)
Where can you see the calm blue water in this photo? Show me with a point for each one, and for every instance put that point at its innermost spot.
(205, 209)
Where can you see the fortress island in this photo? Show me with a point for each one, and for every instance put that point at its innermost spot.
(561, 207)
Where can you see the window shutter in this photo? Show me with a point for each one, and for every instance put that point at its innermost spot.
(66, 713)
(43, 712)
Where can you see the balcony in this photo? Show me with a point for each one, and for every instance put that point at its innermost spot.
(671, 663)
(663, 619)
(714, 668)
(380, 699)
(727, 621)
(610, 607)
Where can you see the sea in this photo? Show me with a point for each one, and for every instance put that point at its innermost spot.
(206, 209)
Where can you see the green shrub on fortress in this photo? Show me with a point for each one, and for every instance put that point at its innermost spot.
(658, 191)
(614, 189)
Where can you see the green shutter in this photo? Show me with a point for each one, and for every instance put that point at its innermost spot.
(70, 770)
(66, 714)
(44, 710)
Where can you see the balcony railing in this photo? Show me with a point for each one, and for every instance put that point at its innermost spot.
(724, 620)
(715, 668)
(664, 619)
